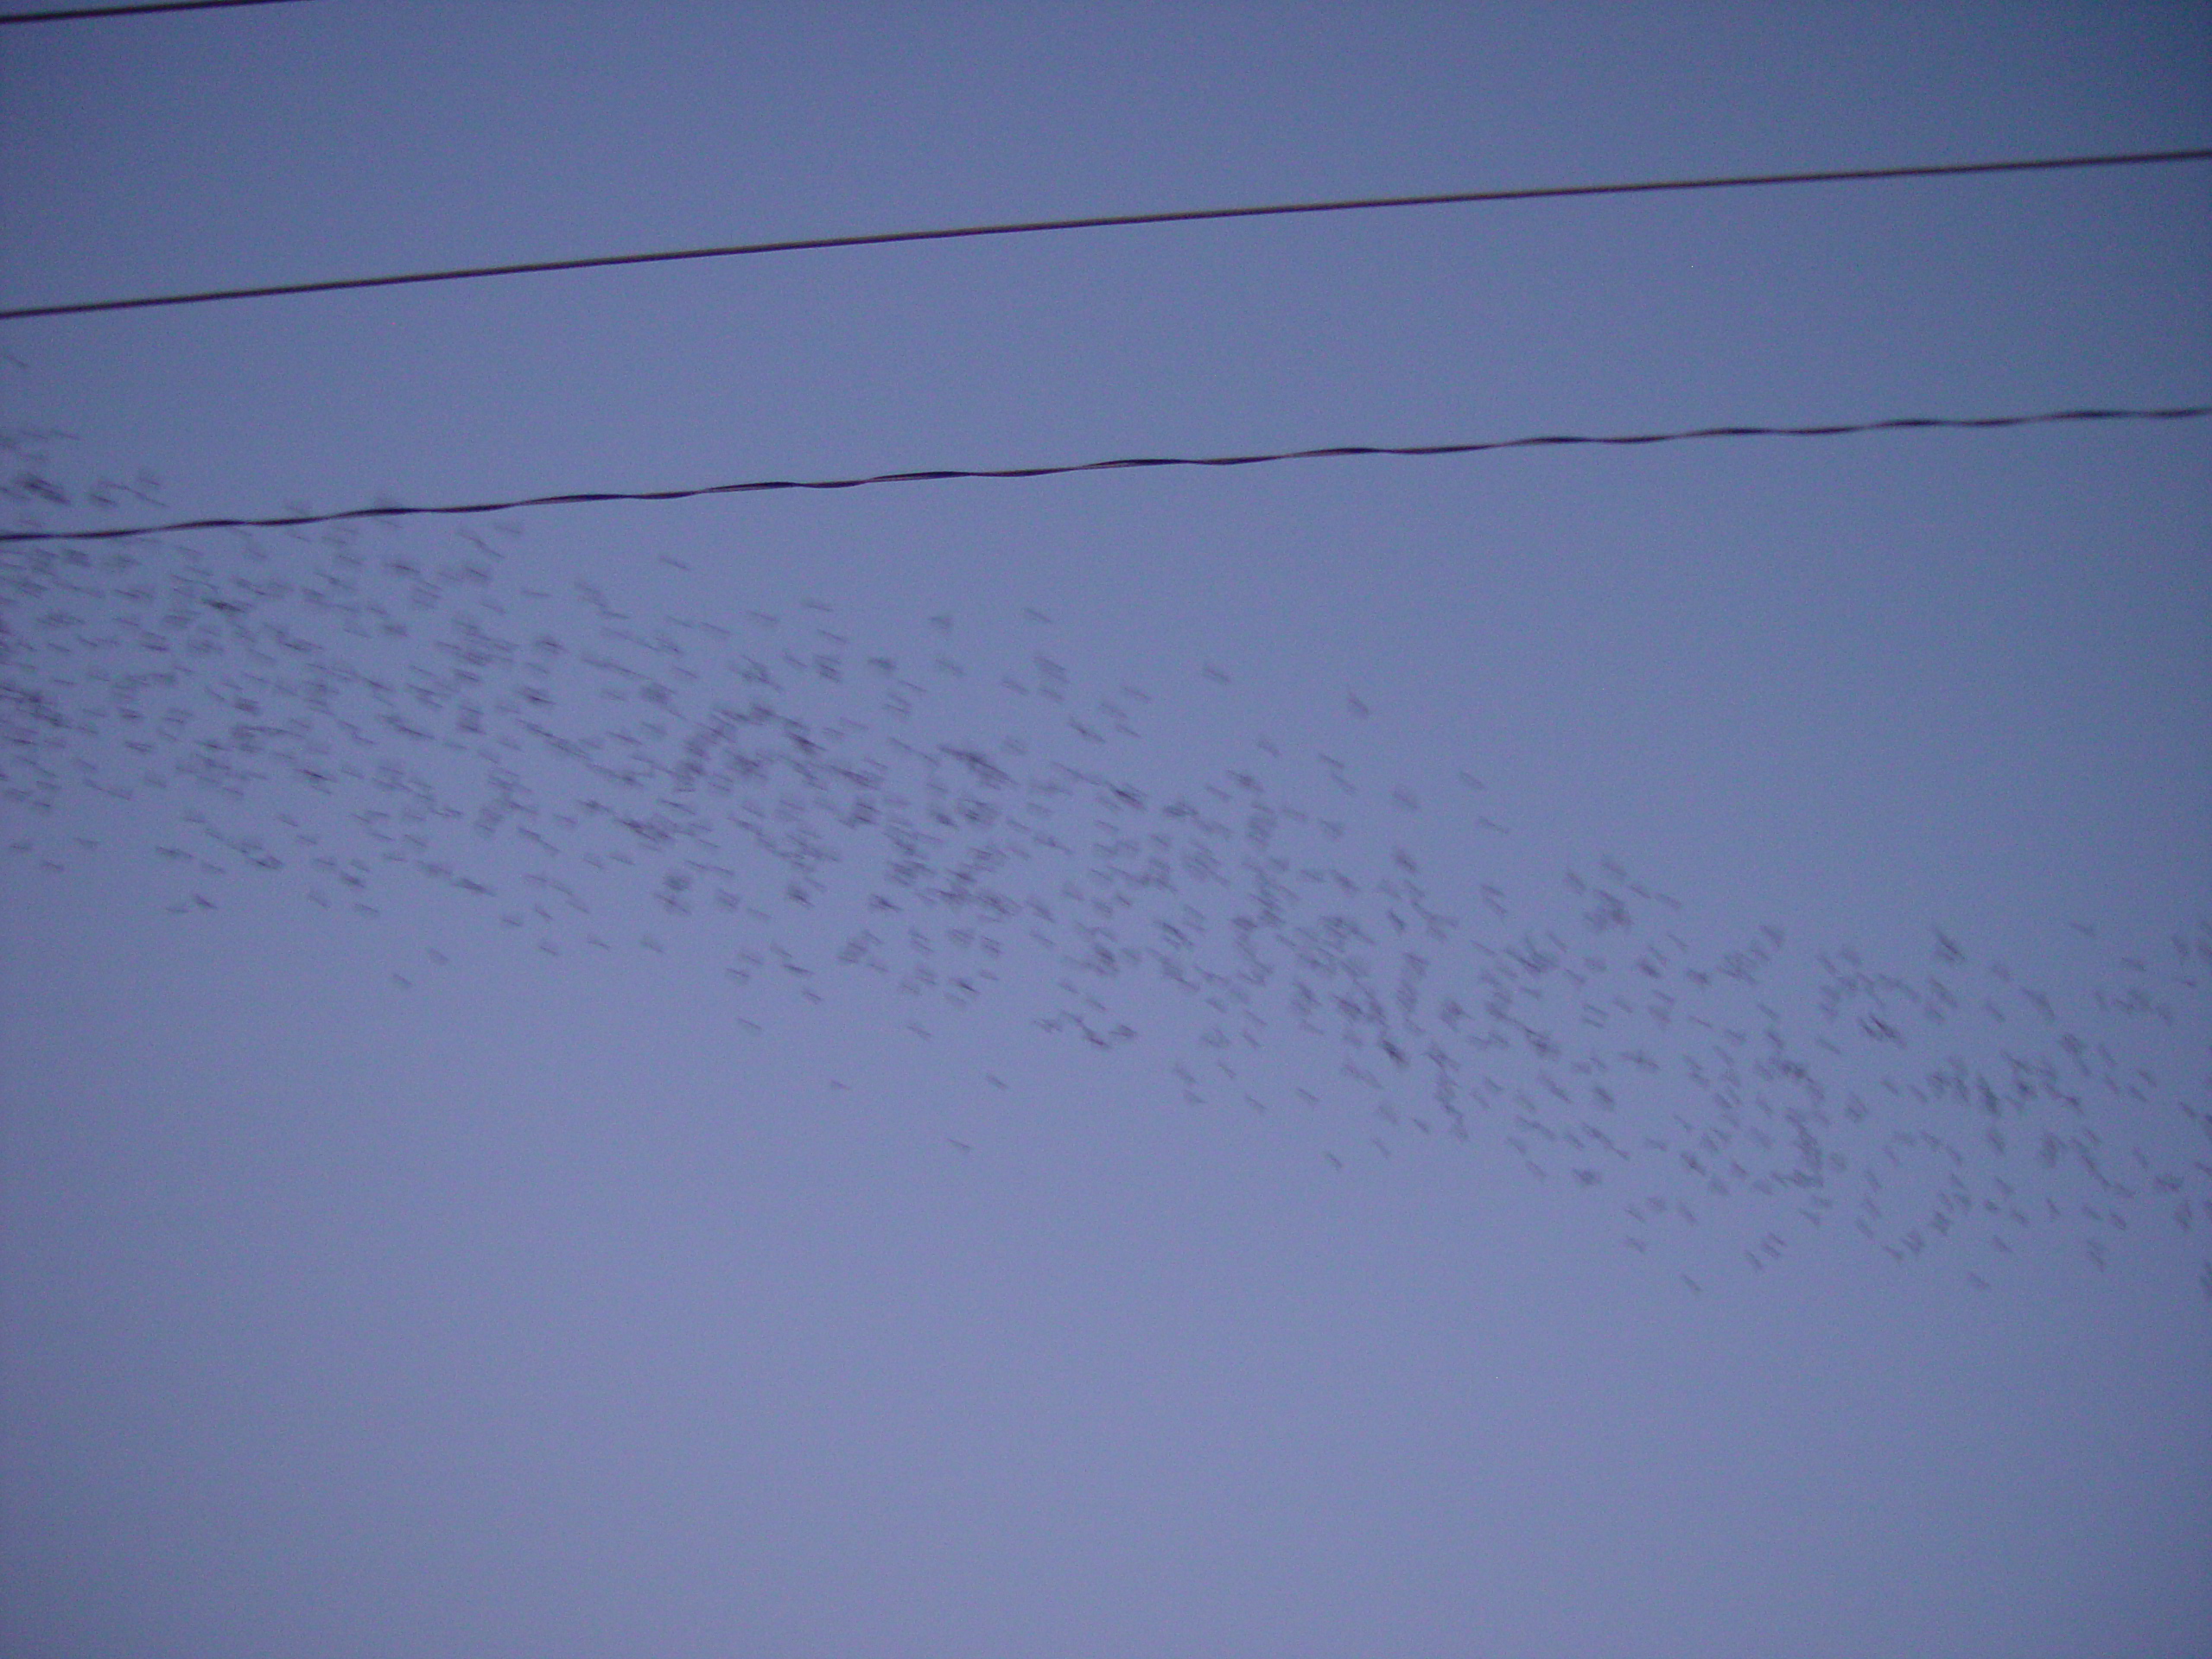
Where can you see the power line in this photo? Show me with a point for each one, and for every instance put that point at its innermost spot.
(2139, 158)
(1130, 463)
(128, 11)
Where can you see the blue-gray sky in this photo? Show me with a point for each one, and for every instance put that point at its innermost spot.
(858, 1184)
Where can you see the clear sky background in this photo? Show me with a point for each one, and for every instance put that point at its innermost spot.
(1574, 1052)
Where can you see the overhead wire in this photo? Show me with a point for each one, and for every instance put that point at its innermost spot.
(130, 11)
(1032, 227)
(1126, 463)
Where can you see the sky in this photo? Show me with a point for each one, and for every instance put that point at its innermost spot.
(1565, 1052)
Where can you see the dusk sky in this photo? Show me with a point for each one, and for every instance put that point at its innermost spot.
(1578, 1052)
